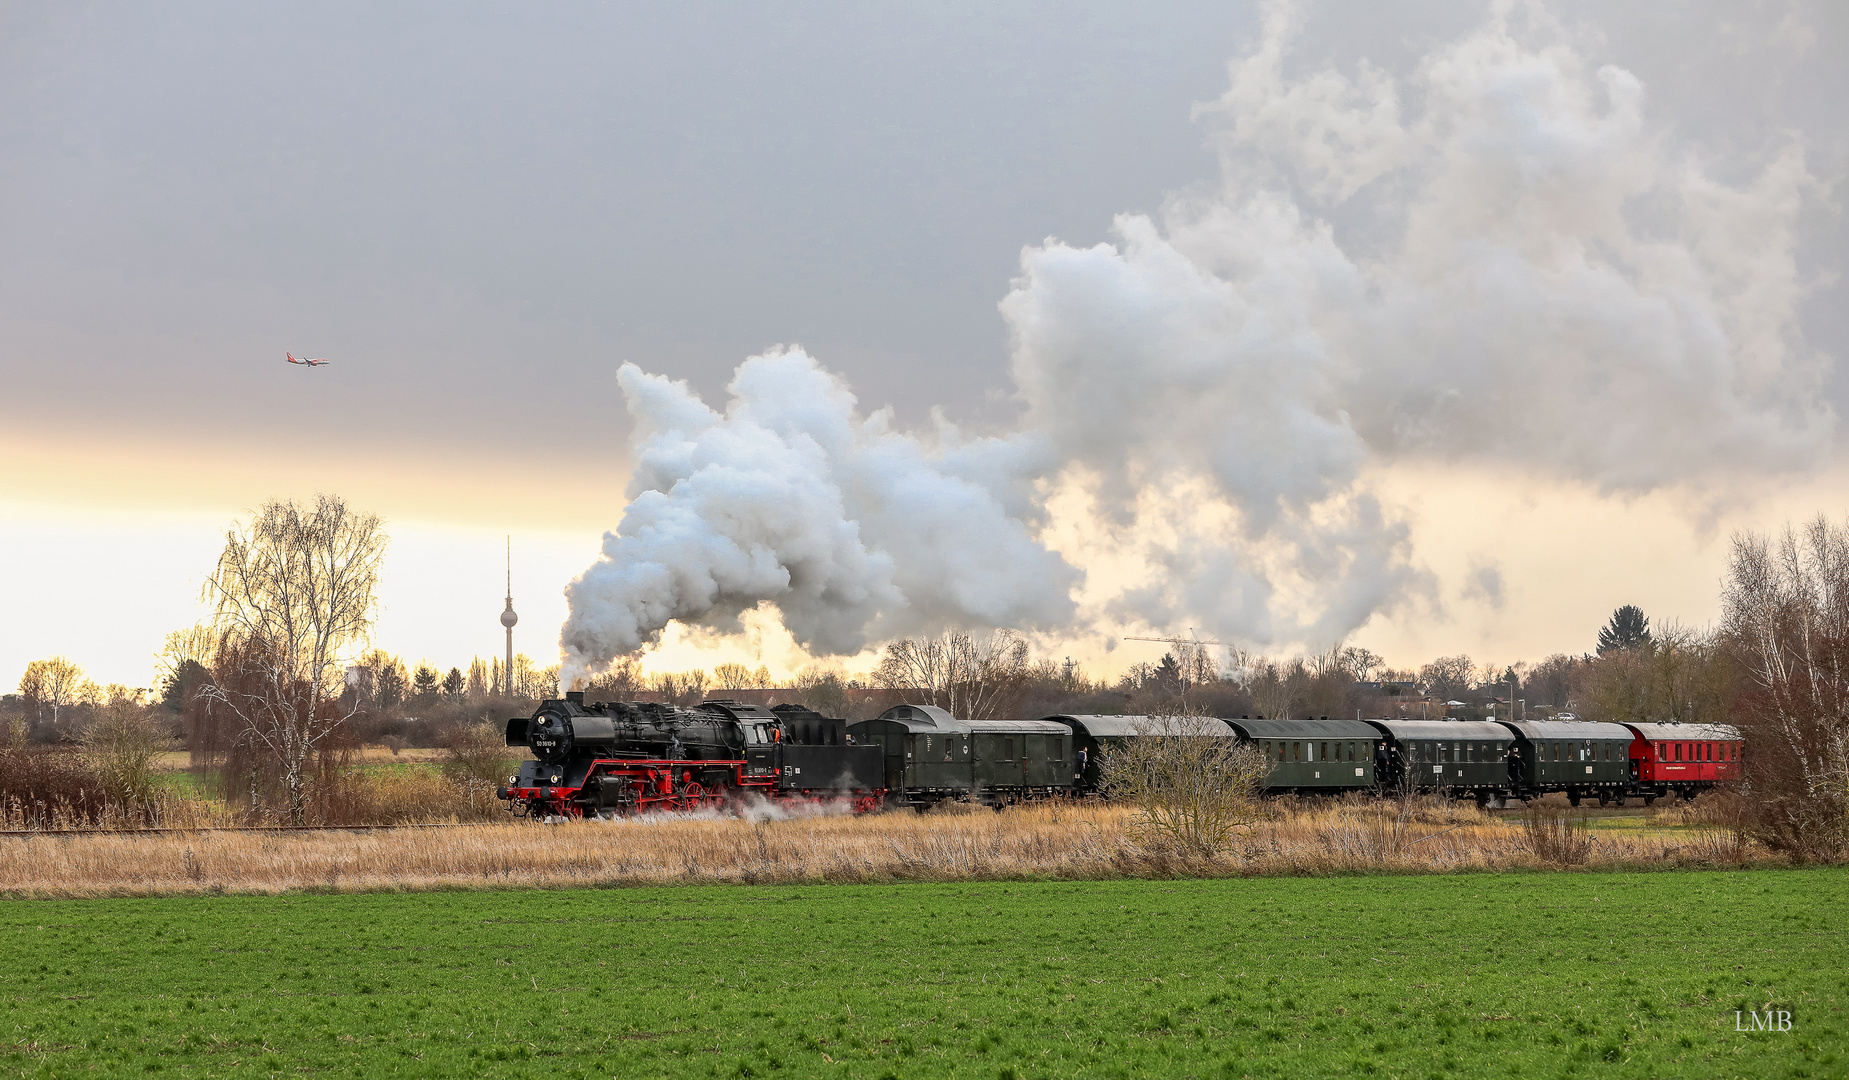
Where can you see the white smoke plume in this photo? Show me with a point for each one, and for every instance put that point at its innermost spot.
(854, 531)
(1496, 257)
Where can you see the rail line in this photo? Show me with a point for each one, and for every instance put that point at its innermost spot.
(250, 829)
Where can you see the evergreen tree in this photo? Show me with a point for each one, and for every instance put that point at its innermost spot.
(390, 687)
(453, 683)
(1627, 629)
(1168, 672)
(178, 687)
(424, 683)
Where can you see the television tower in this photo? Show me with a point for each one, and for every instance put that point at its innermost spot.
(508, 619)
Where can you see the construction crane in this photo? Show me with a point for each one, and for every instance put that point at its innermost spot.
(1176, 640)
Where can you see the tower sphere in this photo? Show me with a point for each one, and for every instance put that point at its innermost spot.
(508, 618)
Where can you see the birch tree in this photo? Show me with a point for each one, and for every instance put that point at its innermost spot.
(974, 678)
(291, 592)
(1786, 610)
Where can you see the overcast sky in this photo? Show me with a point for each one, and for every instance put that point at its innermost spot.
(478, 212)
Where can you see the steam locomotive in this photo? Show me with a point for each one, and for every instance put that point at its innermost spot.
(606, 759)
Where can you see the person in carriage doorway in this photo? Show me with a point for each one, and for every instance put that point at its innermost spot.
(1383, 762)
(1515, 764)
(1078, 767)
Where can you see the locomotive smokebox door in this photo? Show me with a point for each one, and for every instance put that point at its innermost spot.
(549, 735)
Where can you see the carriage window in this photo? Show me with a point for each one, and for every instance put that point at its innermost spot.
(1296, 751)
(1280, 750)
(1322, 751)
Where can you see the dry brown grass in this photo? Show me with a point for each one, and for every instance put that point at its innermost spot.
(369, 754)
(1070, 841)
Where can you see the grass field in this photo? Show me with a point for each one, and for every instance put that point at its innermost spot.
(1493, 975)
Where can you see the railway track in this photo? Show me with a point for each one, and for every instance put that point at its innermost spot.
(245, 829)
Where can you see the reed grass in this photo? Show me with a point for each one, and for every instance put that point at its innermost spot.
(1049, 841)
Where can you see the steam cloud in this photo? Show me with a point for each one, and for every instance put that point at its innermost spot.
(1518, 268)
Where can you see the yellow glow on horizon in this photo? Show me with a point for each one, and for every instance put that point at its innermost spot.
(106, 551)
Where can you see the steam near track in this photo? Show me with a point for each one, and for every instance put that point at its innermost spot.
(1496, 253)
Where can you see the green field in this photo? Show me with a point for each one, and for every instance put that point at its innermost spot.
(1565, 975)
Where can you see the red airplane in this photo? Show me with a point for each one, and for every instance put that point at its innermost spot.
(310, 363)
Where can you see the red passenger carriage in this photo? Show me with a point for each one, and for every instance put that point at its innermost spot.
(1686, 759)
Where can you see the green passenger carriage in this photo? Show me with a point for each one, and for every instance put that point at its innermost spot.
(1582, 758)
(1310, 757)
(1095, 735)
(1455, 758)
(931, 756)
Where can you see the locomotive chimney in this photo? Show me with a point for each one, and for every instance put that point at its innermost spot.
(576, 697)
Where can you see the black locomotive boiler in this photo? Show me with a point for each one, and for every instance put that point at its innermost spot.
(604, 759)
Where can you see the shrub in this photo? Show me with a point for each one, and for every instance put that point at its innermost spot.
(1193, 789)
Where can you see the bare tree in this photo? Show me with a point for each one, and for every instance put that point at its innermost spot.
(1194, 787)
(1449, 676)
(1676, 674)
(54, 684)
(1786, 613)
(533, 682)
(289, 594)
(973, 678)
(620, 682)
(740, 677)
(680, 687)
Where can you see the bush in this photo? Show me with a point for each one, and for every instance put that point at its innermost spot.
(476, 759)
(48, 788)
(1193, 789)
(120, 746)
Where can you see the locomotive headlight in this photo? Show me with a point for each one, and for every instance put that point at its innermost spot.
(555, 778)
